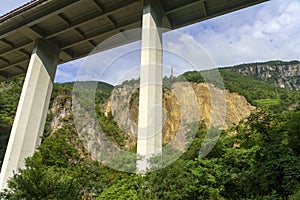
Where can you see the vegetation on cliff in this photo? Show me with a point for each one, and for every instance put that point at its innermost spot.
(279, 73)
(254, 90)
(259, 161)
(256, 159)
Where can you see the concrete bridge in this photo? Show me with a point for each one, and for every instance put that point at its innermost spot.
(38, 36)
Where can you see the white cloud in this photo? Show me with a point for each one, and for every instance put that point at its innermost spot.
(270, 31)
(183, 53)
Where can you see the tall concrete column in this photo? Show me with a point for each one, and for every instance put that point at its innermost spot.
(149, 142)
(31, 114)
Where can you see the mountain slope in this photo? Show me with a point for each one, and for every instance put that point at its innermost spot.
(279, 73)
(260, 161)
(256, 90)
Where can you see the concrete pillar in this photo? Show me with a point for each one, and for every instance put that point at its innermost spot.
(32, 110)
(149, 142)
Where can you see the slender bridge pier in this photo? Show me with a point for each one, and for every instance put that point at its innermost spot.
(43, 33)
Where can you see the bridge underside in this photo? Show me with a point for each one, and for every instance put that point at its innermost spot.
(77, 26)
(42, 33)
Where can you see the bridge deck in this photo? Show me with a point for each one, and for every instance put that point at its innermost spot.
(77, 26)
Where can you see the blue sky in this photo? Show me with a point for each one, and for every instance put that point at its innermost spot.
(263, 32)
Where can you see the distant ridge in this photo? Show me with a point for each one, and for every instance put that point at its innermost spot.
(285, 74)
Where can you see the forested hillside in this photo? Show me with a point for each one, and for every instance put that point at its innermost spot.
(258, 158)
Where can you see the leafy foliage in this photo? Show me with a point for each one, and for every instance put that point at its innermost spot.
(256, 159)
(61, 169)
(9, 98)
(259, 159)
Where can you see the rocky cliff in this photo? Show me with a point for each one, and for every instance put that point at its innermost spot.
(282, 74)
(184, 102)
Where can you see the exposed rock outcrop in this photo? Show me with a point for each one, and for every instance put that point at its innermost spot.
(183, 103)
(282, 74)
